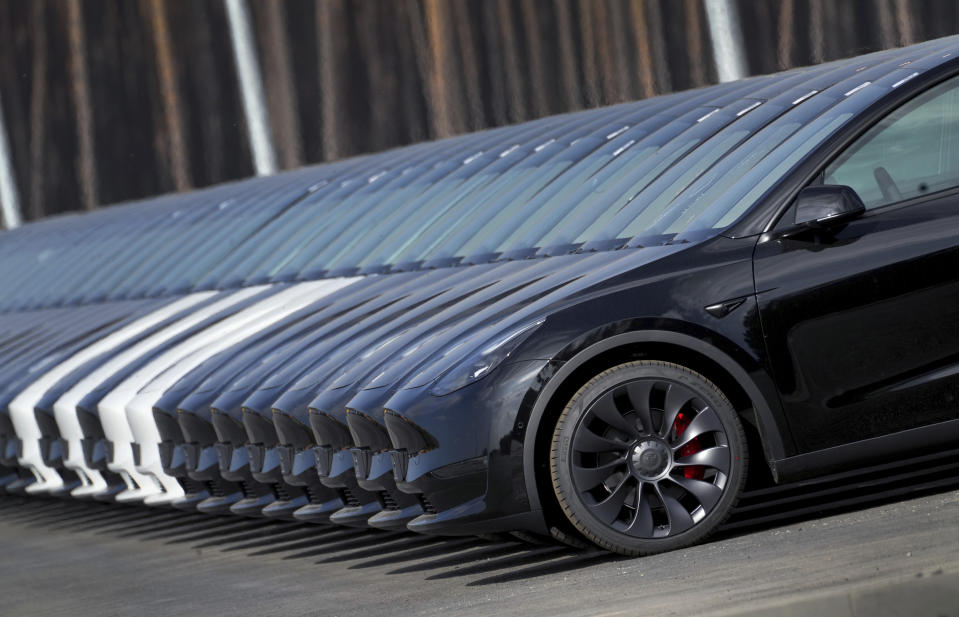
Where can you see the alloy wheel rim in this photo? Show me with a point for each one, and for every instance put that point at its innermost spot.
(649, 458)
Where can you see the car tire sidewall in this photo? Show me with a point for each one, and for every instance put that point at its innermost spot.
(560, 452)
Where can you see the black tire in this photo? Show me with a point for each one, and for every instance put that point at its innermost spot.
(648, 457)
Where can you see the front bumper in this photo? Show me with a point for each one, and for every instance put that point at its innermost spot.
(462, 454)
(373, 470)
(234, 465)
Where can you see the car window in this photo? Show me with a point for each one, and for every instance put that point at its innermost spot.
(912, 152)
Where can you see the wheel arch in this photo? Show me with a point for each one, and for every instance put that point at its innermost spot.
(665, 345)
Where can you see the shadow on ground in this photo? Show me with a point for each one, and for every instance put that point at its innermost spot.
(463, 560)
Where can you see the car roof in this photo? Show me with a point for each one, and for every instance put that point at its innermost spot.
(678, 167)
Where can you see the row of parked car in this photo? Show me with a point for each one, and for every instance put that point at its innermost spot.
(581, 326)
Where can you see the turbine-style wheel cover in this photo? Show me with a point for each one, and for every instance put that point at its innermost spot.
(648, 457)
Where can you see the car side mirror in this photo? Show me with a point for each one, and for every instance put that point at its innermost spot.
(827, 204)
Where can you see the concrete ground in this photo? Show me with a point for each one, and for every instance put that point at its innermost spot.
(74, 559)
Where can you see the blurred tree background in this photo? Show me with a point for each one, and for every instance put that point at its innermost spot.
(110, 100)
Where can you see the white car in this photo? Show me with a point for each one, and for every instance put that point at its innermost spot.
(22, 406)
(65, 408)
(126, 413)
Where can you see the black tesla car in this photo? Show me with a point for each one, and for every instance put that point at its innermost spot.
(800, 319)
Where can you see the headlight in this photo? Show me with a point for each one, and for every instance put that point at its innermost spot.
(482, 362)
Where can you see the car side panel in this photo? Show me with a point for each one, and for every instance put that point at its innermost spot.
(862, 323)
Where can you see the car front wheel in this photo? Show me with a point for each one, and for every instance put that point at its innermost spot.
(647, 457)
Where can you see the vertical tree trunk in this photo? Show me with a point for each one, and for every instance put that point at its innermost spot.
(612, 87)
(694, 43)
(904, 19)
(534, 51)
(887, 24)
(329, 17)
(80, 88)
(816, 31)
(785, 29)
(381, 83)
(444, 94)
(470, 65)
(644, 51)
(616, 14)
(424, 61)
(278, 78)
(515, 99)
(567, 56)
(38, 120)
(830, 30)
(587, 47)
(170, 96)
(664, 81)
(415, 65)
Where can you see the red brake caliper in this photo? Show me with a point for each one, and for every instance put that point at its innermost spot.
(695, 472)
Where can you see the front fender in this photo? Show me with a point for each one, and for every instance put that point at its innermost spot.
(611, 337)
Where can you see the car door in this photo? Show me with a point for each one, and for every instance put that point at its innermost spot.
(861, 319)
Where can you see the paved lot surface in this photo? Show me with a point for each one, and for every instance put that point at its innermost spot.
(64, 558)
